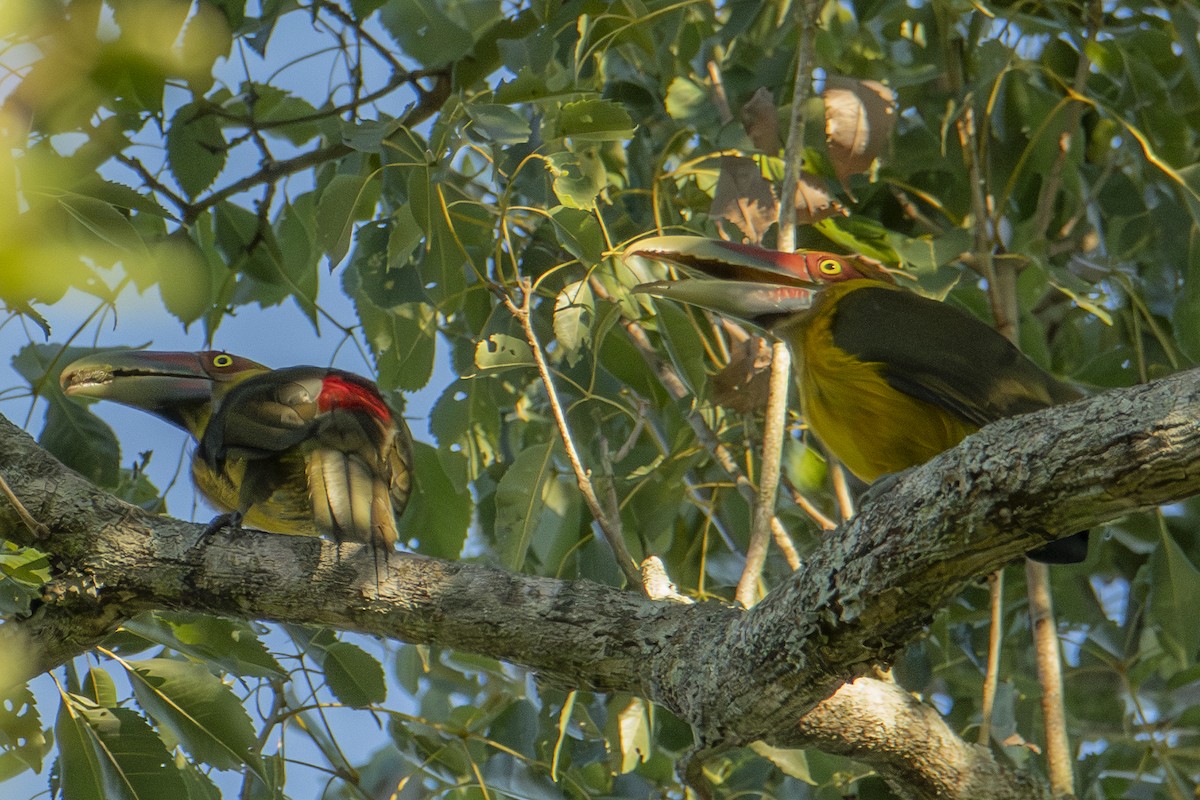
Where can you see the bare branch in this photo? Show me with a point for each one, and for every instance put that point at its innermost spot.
(801, 91)
(864, 594)
(768, 479)
(610, 524)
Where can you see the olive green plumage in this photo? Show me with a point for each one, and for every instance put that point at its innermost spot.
(887, 378)
(301, 450)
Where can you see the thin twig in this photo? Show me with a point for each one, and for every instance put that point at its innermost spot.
(1041, 606)
(38, 530)
(824, 521)
(792, 154)
(609, 527)
(720, 99)
(1049, 666)
(841, 489)
(768, 479)
(429, 103)
(384, 52)
(1003, 305)
(1049, 193)
(152, 181)
(991, 675)
(675, 386)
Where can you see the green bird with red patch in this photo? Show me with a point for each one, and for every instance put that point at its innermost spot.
(299, 450)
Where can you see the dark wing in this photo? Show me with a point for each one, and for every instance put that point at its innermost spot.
(944, 356)
(339, 425)
(263, 416)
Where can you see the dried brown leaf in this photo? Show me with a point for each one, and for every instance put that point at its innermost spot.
(744, 383)
(859, 118)
(813, 200)
(744, 197)
(761, 121)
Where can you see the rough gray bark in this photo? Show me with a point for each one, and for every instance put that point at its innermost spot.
(735, 675)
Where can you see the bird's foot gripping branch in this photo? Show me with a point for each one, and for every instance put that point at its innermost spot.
(736, 676)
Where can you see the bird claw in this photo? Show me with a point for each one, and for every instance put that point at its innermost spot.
(231, 520)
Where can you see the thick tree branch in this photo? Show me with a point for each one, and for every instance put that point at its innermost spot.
(735, 675)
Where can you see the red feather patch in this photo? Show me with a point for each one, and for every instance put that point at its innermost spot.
(351, 392)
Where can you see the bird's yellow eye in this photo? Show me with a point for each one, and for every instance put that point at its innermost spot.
(222, 360)
(830, 266)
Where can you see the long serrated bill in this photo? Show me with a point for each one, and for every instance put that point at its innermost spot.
(717, 258)
(747, 301)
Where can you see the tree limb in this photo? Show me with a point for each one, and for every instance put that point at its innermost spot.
(736, 676)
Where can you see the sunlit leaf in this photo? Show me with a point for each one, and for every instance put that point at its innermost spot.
(633, 734)
(198, 710)
(578, 177)
(501, 351)
(594, 120)
(196, 147)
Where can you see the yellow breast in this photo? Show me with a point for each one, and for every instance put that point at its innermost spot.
(288, 510)
(869, 426)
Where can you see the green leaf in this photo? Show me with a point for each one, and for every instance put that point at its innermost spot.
(578, 177)
(686, 100)
(134, 761)
(1175, 585)
(924, 254)
(196, 148)
(574, 312)
(529, 85)
(402, 340)
(199, 786)
(21, 732)
(336, 214)
(466, 418)
(367, 136)
(501, 351)
(579, 233)
(99, 687)
(594, 121)
(520, 502)
(187, 280)
(439, 511)
(354, 676)
(1185, 316)
(498, 123)
(233, 645)
(387, 277)
(72, 434)
(106, 223)
(198, 710)
(860, 235)
(793, 763)
(424, 32)
(81, 773)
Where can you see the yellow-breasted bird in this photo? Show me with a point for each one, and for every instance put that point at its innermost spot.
(887, 378)
(301, 450)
